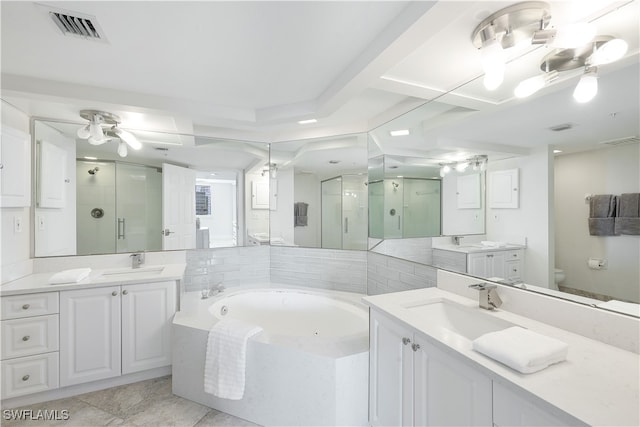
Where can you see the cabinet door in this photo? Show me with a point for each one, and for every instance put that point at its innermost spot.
(390, 373)
(147, 311)
(448, 392)
(477, 265)
(52, 177)
(89, 335)
(15, 168)
(497, 264)
(504, 188)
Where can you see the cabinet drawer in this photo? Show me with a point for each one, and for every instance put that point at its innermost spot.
(513, 255)
(512, 270)
(31, 374)
(17, 306)
(30, 335)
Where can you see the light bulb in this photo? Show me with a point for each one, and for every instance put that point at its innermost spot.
(609, 52)
(461, 167)
(122, 149)
(529, 86)
(493, 64)
(587, 88)
(128, 138)
(95, 131)
(83, 132)
(94, 141)
(574, 35)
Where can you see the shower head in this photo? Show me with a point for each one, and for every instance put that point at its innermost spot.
(93, 171)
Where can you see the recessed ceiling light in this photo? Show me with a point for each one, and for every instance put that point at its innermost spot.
(557, 151)
(399, 132)
(306, 122)
(334, 162)
(90, 158)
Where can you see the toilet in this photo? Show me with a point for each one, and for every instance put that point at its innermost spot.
(558, 275)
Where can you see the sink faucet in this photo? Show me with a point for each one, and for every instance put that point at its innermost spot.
(137, 260)
(488, 297)
(456, 239)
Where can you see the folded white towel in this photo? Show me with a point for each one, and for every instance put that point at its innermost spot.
(69, 276)
(521, 349)
(224, 369)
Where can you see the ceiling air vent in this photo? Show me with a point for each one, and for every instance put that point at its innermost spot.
(77, 24)
(622, 141)
(559, 128)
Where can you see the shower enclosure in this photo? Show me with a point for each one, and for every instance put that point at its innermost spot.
(119, 207)
(405, 207)
(344, 212)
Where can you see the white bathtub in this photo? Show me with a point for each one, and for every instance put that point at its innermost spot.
(309, 366)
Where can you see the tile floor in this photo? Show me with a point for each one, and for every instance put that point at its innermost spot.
(146, 403)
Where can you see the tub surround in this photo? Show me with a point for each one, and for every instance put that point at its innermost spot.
(596, 385)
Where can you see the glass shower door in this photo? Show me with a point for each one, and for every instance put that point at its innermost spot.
(354, 212)
(421, 207)
(331, 219)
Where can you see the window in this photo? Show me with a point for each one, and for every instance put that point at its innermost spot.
(203, 200)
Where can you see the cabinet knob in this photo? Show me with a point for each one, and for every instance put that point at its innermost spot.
(26, 377)
(415, 347)
(26, 338)
(114, 293)
(405, 341)
(26, 306)
(125, 292)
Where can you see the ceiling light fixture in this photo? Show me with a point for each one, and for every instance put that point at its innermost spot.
(306, 122)
(103, 127)
(478, 164)
(533, 84)
(399, 132)
(587, 87)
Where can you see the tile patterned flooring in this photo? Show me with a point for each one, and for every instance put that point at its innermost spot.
(145, 403)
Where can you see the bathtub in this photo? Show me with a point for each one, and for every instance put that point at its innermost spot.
(309, 365)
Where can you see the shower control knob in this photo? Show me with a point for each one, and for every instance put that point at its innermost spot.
(405, 341)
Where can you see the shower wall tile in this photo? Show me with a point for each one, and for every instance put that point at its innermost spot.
(340, 270)
(227, 266)
(386, 274)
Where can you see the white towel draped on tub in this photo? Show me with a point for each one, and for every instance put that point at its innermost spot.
(224, 368)
(69, 276)
(521, 349)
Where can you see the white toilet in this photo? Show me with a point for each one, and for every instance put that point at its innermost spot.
(558, 276)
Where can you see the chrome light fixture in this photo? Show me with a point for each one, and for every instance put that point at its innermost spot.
(478, 163)
(103, 127)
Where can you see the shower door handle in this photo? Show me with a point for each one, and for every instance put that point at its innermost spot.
(399, 224)
(121, 230)
(166, 232)
(346, 225)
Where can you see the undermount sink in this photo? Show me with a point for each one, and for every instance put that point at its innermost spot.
(457, 319)
(133, 272)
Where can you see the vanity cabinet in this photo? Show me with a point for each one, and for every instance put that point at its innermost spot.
(109, 331)
(504, 264)
(414, 383)
(30, 344)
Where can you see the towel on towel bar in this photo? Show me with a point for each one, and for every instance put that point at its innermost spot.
(602, 209)
(628, 214)
(69, 276)
(225, 362)
(521, 349)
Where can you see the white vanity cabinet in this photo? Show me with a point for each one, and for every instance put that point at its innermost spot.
(506, 264)
(414, 383)
(109, 331)
(29, 343)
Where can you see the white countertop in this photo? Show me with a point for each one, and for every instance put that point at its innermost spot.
(597, 384)
(477, 247)
(40, 282)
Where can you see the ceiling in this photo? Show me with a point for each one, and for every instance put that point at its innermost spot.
(251, 70)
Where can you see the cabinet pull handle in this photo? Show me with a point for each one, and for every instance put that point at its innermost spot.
(26, 377)
(415, 347)
(114, 293)
(125, 292)
(26, 306)
(405, 341)
(26, 338)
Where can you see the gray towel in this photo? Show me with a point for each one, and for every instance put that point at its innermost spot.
(300, 214)
(628, 214)
(602, 208)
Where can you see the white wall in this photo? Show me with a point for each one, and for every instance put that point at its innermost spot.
(307, 190)
(55, 229)
(531, 220)
(15, 259)
(606, 171)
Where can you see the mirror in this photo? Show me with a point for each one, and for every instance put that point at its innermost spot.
(320, 192)
(91, 200)
(544, 212)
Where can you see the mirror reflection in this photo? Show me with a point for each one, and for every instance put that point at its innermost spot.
(320, 192)
(109, 197)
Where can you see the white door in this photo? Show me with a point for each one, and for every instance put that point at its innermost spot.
(52, 176)
(89, 335)
(15, 179)
(390, 373)
(178, 207)
(147, 311)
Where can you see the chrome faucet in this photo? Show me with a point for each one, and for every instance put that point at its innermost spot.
(456, 240)
(488, 297)
(137, 260)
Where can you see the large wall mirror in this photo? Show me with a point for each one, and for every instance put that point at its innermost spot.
(539, 180)
(110, 198)
(319, 189)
